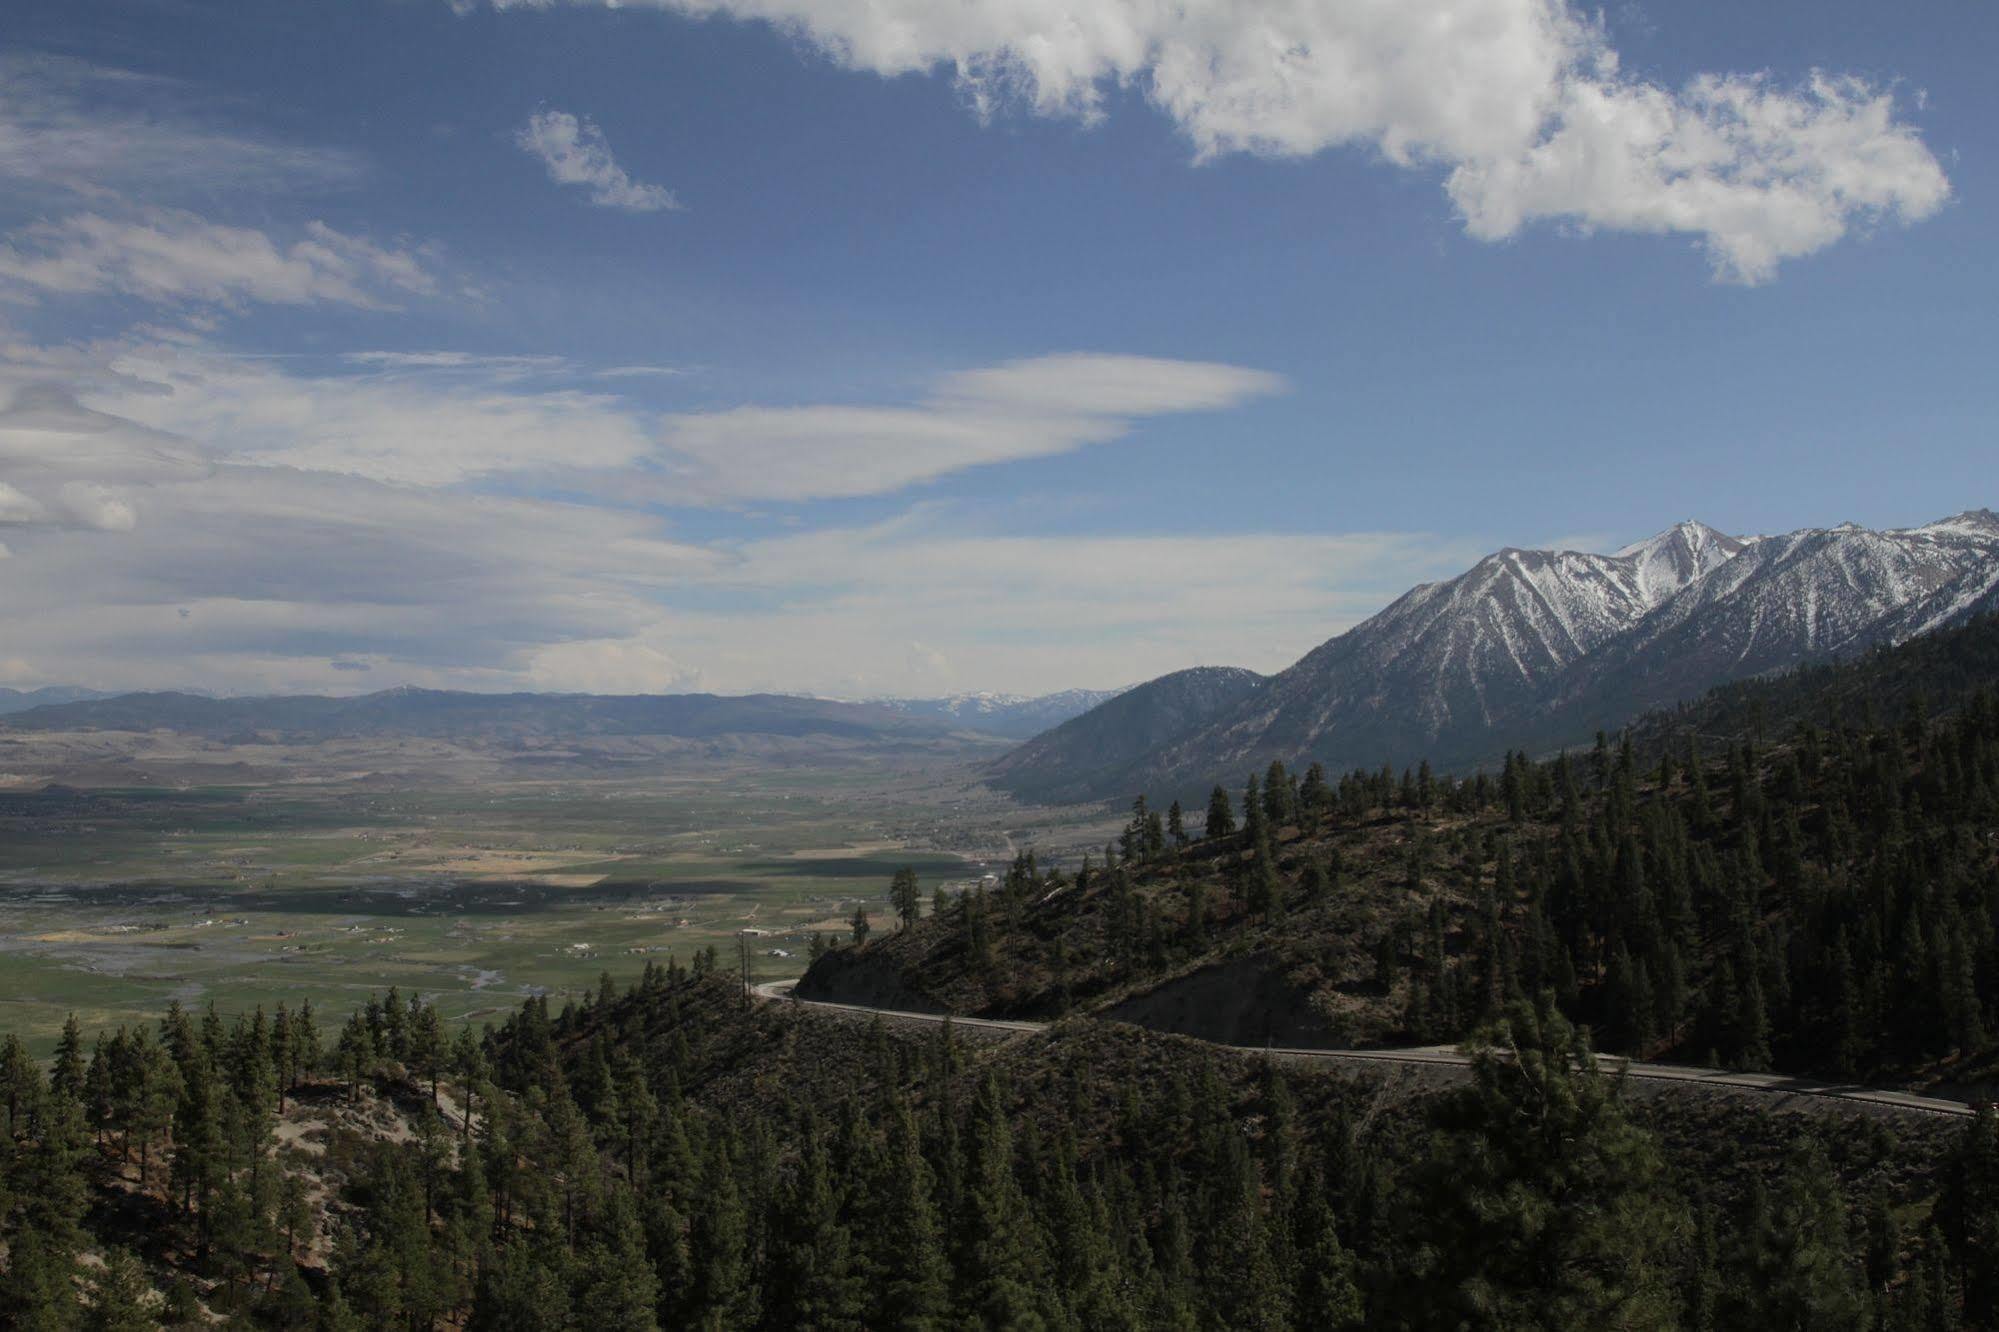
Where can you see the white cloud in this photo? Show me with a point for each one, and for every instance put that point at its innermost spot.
(576, 153)
(1762, 173)
(640, 372)
(396, 426)
(517, 366)
(1520, 102)
(180, 516)
(142, 558)
(1022, 409)
(17, 508)
(98, 507)
(608, 666)
(78, 128)
(251, 577)
(166, 255)
(44, 432)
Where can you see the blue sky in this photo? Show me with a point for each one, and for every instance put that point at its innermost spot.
(904, 348)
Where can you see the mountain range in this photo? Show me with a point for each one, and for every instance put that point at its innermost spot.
(1535, 649)
(20, 700)
(452, 713)
(448, 714)
(1015, 716)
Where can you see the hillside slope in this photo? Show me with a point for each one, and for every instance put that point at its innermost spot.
(1821, 905)
(1097, 750)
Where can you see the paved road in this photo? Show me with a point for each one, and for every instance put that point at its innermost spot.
(1775, 1084)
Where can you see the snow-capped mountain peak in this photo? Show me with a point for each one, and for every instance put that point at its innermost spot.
(1975, 524)
(1532, 647)
(1667, 562)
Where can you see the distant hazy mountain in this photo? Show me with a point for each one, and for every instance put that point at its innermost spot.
(20, 700)
(1539, 648)
(448, 714)
(1093, 751)
(1014, 716)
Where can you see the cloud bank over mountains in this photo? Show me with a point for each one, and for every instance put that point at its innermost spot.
(245, 525)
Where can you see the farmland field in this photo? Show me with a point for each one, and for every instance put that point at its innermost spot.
(114, 901)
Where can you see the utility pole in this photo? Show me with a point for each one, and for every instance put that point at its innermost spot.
(743, 957)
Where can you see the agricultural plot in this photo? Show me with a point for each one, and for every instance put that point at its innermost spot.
(113, 902)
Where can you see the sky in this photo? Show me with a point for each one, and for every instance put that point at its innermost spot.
(887, 347)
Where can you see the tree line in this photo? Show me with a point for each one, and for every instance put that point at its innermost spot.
(660, 1157)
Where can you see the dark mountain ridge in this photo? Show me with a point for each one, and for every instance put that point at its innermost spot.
(20, 700)
(1092, 749)
(459, 715)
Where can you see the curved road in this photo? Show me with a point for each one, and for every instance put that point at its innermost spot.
(1776, 1084)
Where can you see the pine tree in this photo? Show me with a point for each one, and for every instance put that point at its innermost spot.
(1002, 1268)
(1328, 1291)
(811, 1281)
(1968, 1215)
(914, 1294)
(1797, 1265)
(427, 1046)
(21, 1084)
(1539, 1203)
(616, 1285)
(718, 1243)
(905, 896)
(305, 1043)
(66, 1072)
(1221, 815)
(120, 1299)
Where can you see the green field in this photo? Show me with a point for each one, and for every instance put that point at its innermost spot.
(113, 902)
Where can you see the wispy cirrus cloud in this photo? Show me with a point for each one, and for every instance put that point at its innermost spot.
(106, 156)
(575, 152)
(1520, 104)
(497, 366)
(413, 419)
(71, 126)
(640, 372)
(168, 255)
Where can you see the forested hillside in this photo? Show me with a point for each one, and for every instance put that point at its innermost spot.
(670, 1156)
(1822, 900)
(1815, 893)
(1945, 670)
